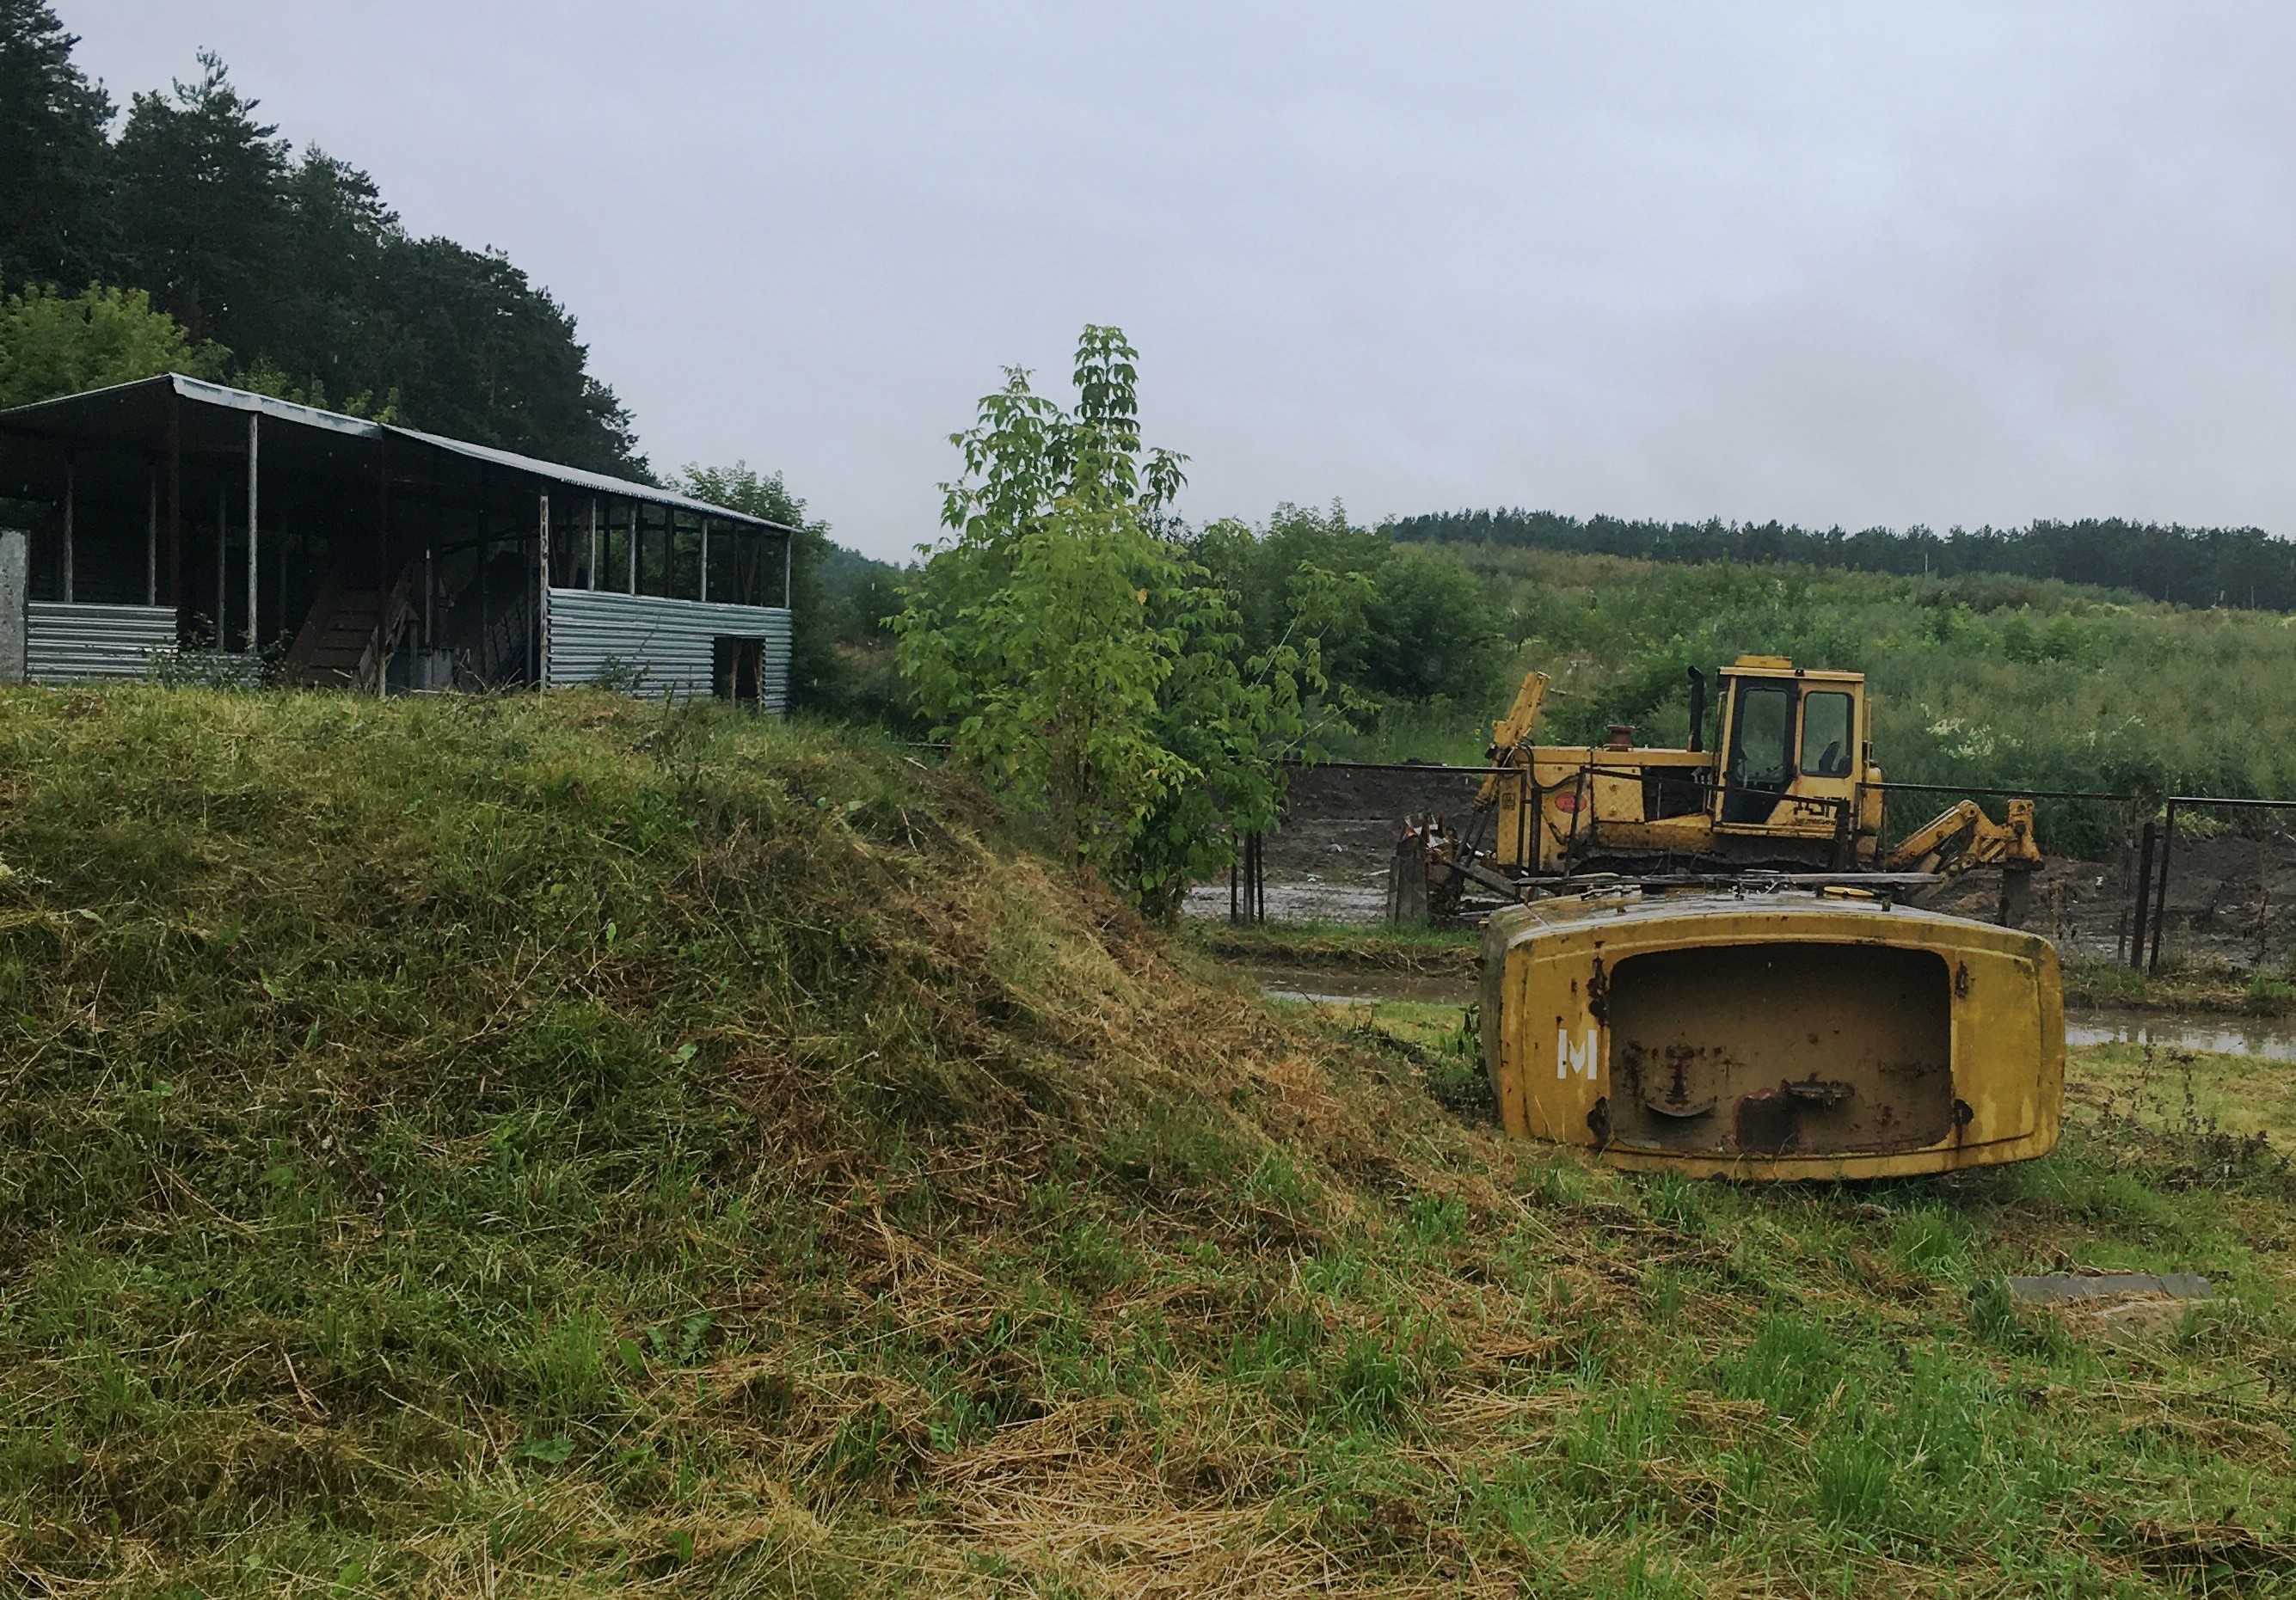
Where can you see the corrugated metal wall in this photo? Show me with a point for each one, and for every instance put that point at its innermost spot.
(670, 640)
(66, 643)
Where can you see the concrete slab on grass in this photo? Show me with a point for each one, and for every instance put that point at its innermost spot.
(2059, 1288)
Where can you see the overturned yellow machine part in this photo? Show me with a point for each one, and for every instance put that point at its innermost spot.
(1773, 1033)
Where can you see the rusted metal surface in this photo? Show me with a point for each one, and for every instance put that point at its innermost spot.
(1781, 1048)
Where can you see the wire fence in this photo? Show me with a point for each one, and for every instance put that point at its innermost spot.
(2196, 880)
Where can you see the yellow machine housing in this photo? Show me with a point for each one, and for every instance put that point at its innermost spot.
(1781, 1034)
(1791, 783)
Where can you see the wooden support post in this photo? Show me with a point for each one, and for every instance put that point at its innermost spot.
(592, 582)
(1407, 882)
(703, 586)
(223, 580)
(71, 486)
(542, 599)
(254, 445)
(175, 505)
(2143, 886)
(383, 565)
(2161, 898)
(382, 513)
(151, 538)
(633, 551)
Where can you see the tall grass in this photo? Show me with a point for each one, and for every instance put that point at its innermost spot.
(551, 1145)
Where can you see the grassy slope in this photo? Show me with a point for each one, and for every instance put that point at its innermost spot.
(1980, 680)
(528, 1147)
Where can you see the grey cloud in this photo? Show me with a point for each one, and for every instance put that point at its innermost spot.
(1876, 264)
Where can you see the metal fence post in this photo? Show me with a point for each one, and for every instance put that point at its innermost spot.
(2161, 899)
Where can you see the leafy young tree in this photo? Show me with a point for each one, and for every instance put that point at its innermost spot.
(1396, 622)
(55, 344)
(1433, 631)
(1089, 666)
(52, 172)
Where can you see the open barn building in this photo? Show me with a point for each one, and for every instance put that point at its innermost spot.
(173, 515)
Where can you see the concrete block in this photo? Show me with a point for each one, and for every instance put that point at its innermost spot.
(15, 592)
(2056, 1288)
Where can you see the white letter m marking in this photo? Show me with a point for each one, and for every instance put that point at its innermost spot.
(1581, 1059)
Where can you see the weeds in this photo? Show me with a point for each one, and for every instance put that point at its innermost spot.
(2156, 1126)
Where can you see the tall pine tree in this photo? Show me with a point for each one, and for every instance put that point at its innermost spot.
(53, 155)
(295, 264)
(203, 208)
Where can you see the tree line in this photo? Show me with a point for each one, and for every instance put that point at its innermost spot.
(285, 270)
(2244, 567)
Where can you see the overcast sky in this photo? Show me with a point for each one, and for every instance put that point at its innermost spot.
(1928, 263)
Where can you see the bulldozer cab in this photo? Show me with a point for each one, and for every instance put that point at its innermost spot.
(1791, 746)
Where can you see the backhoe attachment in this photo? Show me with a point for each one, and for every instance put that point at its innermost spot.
(1962, 837)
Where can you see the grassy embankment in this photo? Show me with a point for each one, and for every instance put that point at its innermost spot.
(525, 1147)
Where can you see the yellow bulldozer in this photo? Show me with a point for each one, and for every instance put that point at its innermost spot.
(1789, 787)
(1709, 968)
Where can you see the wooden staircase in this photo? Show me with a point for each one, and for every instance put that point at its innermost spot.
(336, 638)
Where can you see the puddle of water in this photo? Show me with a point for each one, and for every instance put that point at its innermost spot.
(2225, 1036)
(1358, 986)
(1346, 986)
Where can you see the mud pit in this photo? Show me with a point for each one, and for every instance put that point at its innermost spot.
(2232, 898)
(1328, 862)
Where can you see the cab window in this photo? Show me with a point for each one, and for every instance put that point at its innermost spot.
(1761, 752)
(1763, 736)
(1825, 735)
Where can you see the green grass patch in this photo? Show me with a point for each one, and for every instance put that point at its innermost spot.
(2208, 989)
(1417, 949)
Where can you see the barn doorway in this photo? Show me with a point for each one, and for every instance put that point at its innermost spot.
(737, 668)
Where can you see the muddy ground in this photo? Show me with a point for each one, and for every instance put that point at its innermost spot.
(2231, 896)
